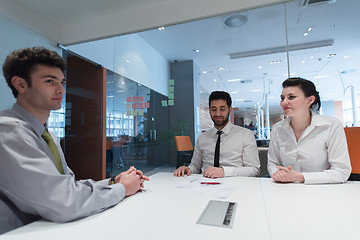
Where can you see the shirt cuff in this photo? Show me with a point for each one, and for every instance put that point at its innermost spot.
(315, 177)
(228, 171)
(119, 191)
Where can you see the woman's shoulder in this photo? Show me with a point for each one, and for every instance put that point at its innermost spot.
(327, 120)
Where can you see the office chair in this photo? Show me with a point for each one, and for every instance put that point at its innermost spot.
(353, 139)
(184, 150)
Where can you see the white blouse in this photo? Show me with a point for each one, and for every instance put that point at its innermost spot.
(321, 152)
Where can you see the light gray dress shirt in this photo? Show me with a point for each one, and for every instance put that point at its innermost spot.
(30, 185)
(321, 152)
(238, 151)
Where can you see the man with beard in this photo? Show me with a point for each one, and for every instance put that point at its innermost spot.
(225, 150)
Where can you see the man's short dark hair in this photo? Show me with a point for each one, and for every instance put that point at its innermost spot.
(220, 95)
(22, 62)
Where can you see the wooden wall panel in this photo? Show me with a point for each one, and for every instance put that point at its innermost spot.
(85, 116)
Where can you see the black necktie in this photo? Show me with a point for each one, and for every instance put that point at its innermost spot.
(217, 150)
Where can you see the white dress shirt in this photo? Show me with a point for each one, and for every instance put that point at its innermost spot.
(238, 151)
(321, 152)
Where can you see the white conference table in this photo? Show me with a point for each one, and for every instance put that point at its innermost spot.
(265, 210)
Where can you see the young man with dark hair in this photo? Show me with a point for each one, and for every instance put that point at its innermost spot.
(35, 181)
(226, 149)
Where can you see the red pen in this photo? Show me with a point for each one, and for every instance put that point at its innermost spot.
(211, 183)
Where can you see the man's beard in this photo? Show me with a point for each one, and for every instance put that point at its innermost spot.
(220, 123)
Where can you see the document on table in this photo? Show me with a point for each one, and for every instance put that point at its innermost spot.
(218, 213)
(215, 188)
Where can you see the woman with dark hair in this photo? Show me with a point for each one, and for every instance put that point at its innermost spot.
(307, 147)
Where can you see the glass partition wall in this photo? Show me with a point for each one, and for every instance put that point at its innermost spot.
(131, 125)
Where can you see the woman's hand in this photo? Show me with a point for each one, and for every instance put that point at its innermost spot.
(287, 175)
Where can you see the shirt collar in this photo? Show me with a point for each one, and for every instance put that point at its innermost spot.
(225, 130)
(26, 116)
(316, 120)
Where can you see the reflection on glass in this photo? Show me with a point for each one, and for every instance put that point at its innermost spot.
(56, 121)
(130, 130)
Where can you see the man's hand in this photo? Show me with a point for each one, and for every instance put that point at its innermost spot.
(287, 175)
(214, 172)
(181, 171)
(132, 179)
(142, 177)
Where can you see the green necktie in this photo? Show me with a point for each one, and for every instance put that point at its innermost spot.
(54, 150)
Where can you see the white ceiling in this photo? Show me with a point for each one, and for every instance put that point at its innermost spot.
(77, 21)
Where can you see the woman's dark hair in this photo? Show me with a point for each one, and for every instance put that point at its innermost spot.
(307, 87)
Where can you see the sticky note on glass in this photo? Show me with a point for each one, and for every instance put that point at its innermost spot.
(128, 99)
(164, 103)
(128, 106)
(141, 112)
(147, 104)
(171, 89)
(128, 113)
(140, 105)
(134, 112)
(171, 102)
(134, 99)
(171, 82)
(141, 99)
(171, 95)
(134, 105)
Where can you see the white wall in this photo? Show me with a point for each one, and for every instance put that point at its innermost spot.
(13, 37)
(145, 65)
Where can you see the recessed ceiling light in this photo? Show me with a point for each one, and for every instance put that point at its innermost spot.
(235, 21)
(285, 74)
(221, 68)
(204, 72)
(302, 61)
(110, 96)
(196, 50)
(235, 80)
(260, 67)
(233, 92)
(214, 80)
(320, 77)
(256, 90)
(161, 28)
(311, 57)
(127, 61)
(305, 34)
(309, 29)
(346, 56)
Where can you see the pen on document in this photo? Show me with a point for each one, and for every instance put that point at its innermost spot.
(211, 183)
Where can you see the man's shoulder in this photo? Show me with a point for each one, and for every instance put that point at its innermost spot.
(7, 118)
(240, 130)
